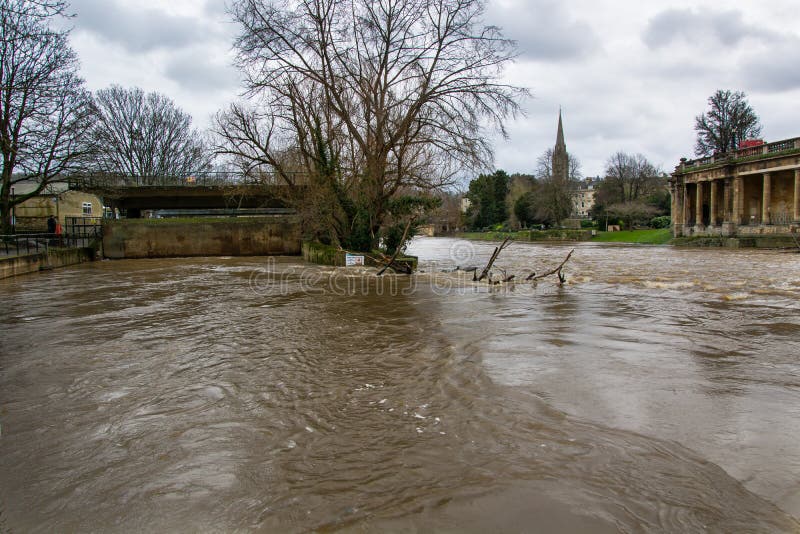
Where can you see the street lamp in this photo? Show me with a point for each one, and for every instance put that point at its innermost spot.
(13, 213)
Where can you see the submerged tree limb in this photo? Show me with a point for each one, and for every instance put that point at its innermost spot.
(533, 276)
(497, 251)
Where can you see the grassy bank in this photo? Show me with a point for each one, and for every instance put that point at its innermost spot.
(646, 237)
(660, 236)
(493, 236)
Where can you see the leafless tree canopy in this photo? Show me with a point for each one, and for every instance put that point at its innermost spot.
(631, 176)
(366, 97)
(145, 135)
(44, 108)
(544, 166)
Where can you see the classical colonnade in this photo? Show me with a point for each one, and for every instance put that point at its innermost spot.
(722, 202)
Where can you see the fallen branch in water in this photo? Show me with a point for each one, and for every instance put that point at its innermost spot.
(561, 278)
(507, 277)
(397, 252)
(497, 251)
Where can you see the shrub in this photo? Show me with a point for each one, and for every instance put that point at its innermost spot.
(661, 222)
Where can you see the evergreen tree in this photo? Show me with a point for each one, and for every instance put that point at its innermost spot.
(728, 121)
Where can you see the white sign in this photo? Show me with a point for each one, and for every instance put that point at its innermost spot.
(351, 260)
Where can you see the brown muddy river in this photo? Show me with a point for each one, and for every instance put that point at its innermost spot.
(657, 391)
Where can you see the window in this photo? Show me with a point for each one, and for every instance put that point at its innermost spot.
(87, 208)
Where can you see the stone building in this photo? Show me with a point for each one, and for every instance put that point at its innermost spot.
(583, 197)
(57, 200)
(751, 191)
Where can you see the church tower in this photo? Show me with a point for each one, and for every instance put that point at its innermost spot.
(560, 164)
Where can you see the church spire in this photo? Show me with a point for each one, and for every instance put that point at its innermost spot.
(560, 158)
(560, 136)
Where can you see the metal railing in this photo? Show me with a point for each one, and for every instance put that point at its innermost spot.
(81, 231)
(78, 232)
(782, 218)
(199, 179)
(19, 244)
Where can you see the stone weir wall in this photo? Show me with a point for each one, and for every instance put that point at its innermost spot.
(44, 261)
(164, 238)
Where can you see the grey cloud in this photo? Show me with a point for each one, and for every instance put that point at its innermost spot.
(216, 8)
(728, 28)
(544, 31)
(196, 73)
(776, 71)
(137, 30)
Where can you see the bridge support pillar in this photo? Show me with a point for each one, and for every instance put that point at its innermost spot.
(766, 199)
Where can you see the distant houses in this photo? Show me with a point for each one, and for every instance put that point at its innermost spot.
(583, 197)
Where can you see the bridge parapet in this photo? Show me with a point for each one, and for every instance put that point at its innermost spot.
(736, 156)
(100, 181)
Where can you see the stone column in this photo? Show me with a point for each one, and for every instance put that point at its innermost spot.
(712, 209)
(727, 212)
(766, 199)
(698, 212)
(797, 195)
(685, 207)
(728, 228)
(676, 210)
(738, 200)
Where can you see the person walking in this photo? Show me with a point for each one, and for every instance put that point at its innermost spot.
(51, 225)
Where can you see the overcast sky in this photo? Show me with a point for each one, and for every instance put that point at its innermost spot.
(629, 75)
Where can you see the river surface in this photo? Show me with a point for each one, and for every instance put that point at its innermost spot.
(658, 390)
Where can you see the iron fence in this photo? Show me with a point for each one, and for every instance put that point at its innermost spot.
(77, 232)
(18, 244)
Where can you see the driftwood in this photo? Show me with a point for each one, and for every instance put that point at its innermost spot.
(506, 277)
(497, 251)
(397, 252)
(561, 278)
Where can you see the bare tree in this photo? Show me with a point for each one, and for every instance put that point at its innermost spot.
(630, 177)
(44, 109)
(146, 136)
(367, 97)
(544, 166)
(728, 121)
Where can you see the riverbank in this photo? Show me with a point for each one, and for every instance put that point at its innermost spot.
(660, 236)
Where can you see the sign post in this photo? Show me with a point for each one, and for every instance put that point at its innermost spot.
(353, 260)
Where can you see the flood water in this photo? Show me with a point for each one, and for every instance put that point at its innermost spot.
(658, 390)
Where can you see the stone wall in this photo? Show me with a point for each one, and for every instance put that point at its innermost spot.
(31, 263)
(164, 238)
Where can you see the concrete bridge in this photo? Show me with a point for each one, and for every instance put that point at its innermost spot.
(209, 192)
(751, 191)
